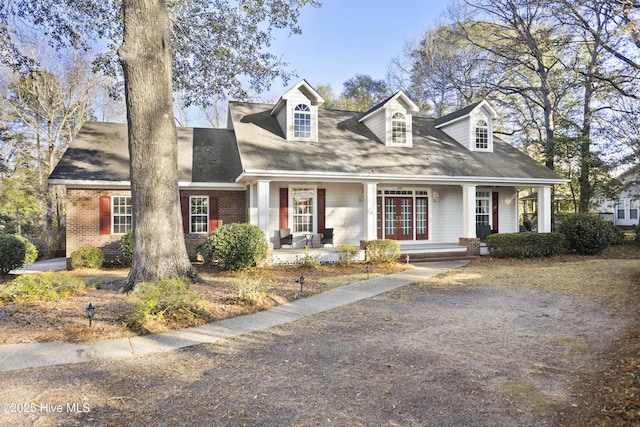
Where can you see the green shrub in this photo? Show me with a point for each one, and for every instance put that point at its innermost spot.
(382, 251)
(525, 245)
(30, 251)
(167, 299)
(42, 287)
(586, 234)
(308, 259)
(618, 234)
(126, 247)
(87, 258)
(347, 254)
(636, 230)
(250, 289)
(234, 246)
(12, 253)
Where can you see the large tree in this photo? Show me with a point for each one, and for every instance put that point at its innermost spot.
(42, 110)
(521, 39)
(443, 71)
(361, 92)
(218, 43)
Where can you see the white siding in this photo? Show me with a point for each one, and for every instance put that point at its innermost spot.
(281, 116)
(507, 211)
(446, 215)
(460, 131)
(344, 213)
(377, 125)
(294, 99)
(380, 122)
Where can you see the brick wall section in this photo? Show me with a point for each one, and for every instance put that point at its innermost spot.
(231, 208)
(83, 219)
(472, 244)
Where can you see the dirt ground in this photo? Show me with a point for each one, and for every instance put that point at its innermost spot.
(65, 320)
(497, 343)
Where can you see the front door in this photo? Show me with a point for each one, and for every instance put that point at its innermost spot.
(398, 218)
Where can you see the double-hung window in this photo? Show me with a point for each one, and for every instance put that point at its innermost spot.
(483, 208)
(121, 212)
(633, 209)
(398, 128)
(620, 209)
(482, 135)
(303, 211)
(302, 121)
(199, 214)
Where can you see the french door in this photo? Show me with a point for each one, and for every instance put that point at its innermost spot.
(403, 218)
(398, 218)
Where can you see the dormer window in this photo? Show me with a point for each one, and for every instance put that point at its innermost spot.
(482, 135)
(398, 129)
(302, 121)
(390, 121)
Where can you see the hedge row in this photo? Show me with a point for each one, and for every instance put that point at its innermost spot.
(525, 245)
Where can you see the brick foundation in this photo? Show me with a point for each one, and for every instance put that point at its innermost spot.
(472, 244)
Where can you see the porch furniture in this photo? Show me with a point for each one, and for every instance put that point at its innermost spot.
(482, 231)
(327, 237)
(286, 238)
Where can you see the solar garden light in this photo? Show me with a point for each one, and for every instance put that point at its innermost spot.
(407, 259)
(91, 309)
(368, 269)
(301, 281)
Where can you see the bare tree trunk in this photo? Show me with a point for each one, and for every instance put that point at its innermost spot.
(159, 249)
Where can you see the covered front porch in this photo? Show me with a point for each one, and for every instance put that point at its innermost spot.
(428, 218)
(409, 252)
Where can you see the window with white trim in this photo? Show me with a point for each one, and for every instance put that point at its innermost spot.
(199, 214)
(482, 135)
(398, 128)
(121, 214)
(303, 211)
(620, 208)
(483, 208)
(633, 209)
(302, 121)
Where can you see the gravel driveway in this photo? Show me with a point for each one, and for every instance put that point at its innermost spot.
(415, 356)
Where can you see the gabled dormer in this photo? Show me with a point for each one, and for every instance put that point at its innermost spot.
(391, 120)
(297, 112)
(471, 126)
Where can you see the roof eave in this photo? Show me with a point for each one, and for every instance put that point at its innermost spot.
(433, 179)
(99, 184)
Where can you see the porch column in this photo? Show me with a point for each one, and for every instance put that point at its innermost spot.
(370, 212)
(468, 211)
(544, 209)
(262, 189)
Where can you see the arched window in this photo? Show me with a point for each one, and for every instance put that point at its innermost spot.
(482, 135)
(398, 128)
(302, 121)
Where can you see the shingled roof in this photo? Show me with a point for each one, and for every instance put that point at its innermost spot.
(346, 148)
(99, 153)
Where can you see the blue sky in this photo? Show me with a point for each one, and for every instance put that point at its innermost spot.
(348, 37)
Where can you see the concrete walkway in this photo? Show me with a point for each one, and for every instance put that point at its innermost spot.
(30, 355)
(54, 264)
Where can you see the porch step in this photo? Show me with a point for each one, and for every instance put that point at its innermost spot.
(436, 256)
